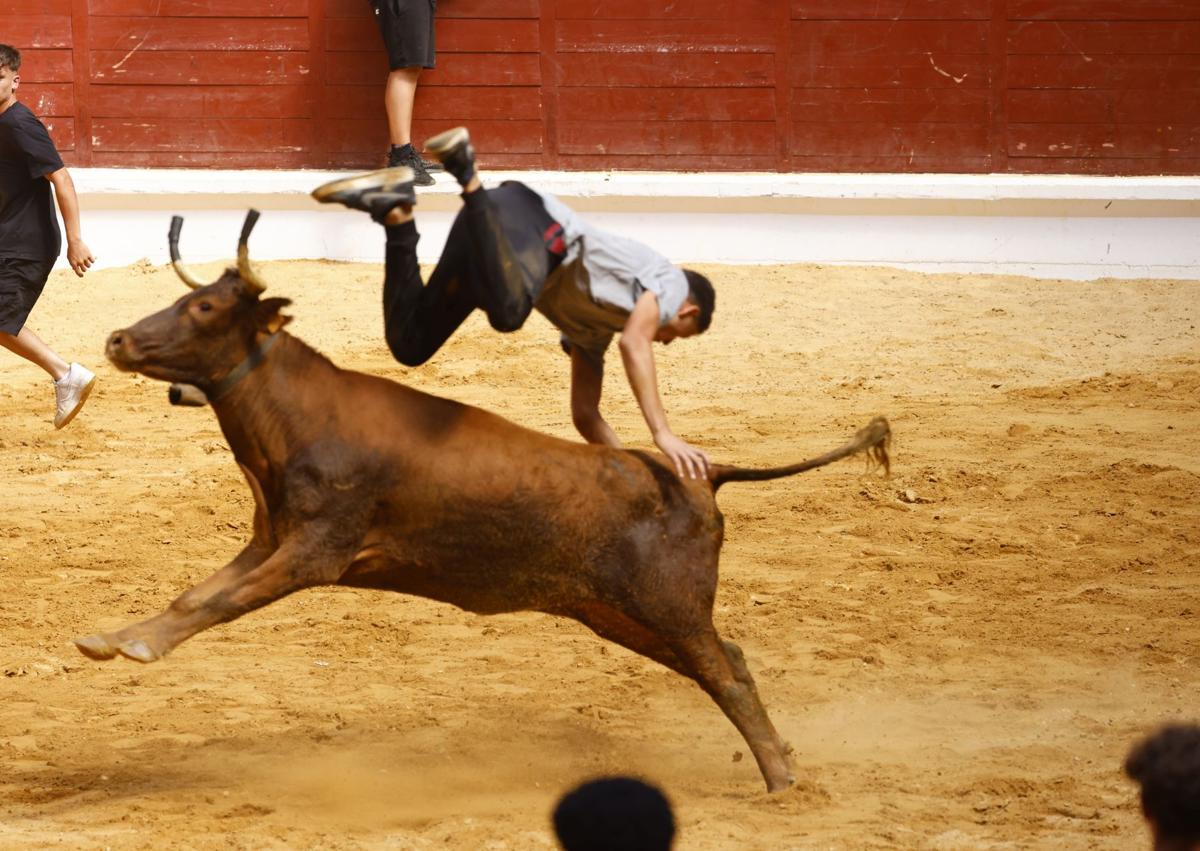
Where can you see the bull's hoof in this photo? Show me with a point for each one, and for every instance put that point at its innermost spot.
(781, 785)
(137, 650)
(96, 647)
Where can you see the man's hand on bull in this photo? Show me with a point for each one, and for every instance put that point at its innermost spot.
(689, 461)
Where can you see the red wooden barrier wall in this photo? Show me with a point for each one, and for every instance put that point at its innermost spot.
(1086, 86)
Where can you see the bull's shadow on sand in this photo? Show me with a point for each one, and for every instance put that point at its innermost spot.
(367, 773)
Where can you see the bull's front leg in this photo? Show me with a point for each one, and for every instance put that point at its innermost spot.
(106, 645)
(252, 580)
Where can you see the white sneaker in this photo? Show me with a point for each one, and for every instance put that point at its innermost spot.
(71, 391)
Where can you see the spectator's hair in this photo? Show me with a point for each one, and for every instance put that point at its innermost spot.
(1167, 766)
(613, 813)
(702, 294)
(10, 58)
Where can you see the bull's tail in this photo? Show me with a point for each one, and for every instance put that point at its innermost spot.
(873, 439)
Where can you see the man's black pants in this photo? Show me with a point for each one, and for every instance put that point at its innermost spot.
(502, 247)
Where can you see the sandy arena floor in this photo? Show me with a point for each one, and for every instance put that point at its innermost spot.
(960, 655)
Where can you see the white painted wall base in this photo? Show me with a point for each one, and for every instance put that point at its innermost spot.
(1044, 226)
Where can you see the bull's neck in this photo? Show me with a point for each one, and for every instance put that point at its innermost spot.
(256, 357)
(269, 411)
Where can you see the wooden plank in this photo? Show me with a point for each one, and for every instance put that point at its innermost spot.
(488, 137)
(1122, 166)
(62, 132)
(673, 36)
(474, 9)
(1132, 106)
(892, 10)
(548, 60)
(200, 8)
(15, 9)
(875, 163)
(466, 69)
(47, 66)
(203, 134)
(864, 42)
(785, 54)
(440, 103)
(224, 34)
(675, 10)
(998, 80)
(118, 101)
(1104, 140)
(1091, 38)
(836, 163)
(639, 104)
(210, 159)
(860, 139)
(1104, 72)
(891, 105)
(917, 72)
(653, 138)
(48, 98)
(26, 32)
(664, 70)
(164, 67)
(81, 24)
(1103, 10)
(450, 36)
(666, 162)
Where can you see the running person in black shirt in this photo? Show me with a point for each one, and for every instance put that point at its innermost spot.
(30, 241)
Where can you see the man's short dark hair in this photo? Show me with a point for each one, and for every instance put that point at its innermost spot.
(702, 294)
(1167, 766)
(10, 58)
(614, 812)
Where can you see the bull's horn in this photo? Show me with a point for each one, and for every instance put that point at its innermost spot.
(253, 281)
(173, 243)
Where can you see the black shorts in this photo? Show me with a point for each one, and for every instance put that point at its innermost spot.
(407, 30)
(21, 283)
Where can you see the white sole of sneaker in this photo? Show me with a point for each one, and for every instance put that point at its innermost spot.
(83, 397)
(380, 179)
(443, 142)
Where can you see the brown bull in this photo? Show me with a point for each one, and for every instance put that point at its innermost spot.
(364, 482)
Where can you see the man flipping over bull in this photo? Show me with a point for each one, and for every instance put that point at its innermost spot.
(512, 249)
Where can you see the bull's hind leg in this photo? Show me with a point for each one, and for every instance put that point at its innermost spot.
(737, 660)
(619, 628)
(718, 667)
(708, 662)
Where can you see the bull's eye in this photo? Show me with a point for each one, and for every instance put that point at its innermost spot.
(204, 306)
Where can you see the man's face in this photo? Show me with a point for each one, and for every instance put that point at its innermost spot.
(8, 86)
(682, 325)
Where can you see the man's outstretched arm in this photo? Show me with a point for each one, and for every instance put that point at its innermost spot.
(637, 353)
(586, 382)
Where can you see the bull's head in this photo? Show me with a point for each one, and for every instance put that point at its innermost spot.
(204, 336)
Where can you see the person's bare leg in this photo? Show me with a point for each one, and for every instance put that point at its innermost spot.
(398, 100)
(30, 346)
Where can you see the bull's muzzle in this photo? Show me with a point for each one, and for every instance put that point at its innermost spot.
(120, 350)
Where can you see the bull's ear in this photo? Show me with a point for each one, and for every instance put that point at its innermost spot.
(267, 315)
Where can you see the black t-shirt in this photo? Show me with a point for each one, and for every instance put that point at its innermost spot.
(28, 226)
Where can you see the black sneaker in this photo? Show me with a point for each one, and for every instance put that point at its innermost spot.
(406, 155)
(454, 150)
(376, 192)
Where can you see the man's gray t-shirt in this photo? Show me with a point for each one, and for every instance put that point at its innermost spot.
(590, 295)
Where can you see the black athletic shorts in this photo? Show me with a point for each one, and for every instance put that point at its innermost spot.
(407, 30)
(21, 283)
